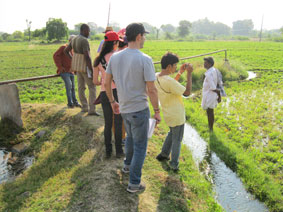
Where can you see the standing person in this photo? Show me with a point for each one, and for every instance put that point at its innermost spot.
(170, 93)
(110, 45)
(210, 93)
(134, 76)
(63, 63)
(80, 63)
(108, 29)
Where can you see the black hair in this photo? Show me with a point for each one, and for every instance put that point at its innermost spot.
(133, 30)
(169, 59)
(84, 27)
(210, 60)
(106, 48)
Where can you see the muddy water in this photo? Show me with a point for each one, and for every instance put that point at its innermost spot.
(8, 172)
(230, 191)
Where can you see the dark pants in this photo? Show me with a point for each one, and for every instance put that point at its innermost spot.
(108, 119)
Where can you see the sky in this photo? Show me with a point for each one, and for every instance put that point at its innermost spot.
(14, 13)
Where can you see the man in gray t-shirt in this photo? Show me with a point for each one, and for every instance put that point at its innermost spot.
(134, 76)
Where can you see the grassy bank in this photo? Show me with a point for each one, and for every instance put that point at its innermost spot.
(70, 172)
(248, 133)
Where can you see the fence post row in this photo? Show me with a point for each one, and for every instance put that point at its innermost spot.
(56, 75)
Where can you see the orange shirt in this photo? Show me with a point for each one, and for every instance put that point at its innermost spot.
(62, 61)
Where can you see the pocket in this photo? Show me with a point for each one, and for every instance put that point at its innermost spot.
(140, 118)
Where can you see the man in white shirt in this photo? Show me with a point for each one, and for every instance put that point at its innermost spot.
(210, 93)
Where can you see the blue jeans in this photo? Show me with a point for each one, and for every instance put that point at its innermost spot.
(70, 88)
(172, 145)
(136, 125)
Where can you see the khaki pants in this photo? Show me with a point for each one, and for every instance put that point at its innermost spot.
(82, 80)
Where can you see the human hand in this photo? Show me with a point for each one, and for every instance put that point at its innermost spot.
(189, 67)
(115, 107)
(157, 118)
(182, 68)
(219, 96)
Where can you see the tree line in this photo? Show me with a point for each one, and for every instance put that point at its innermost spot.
(56, 30)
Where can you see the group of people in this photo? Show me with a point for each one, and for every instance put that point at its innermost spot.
(127, 78)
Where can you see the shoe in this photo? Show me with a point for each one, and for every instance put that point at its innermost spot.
(126, 170)
(77, 105)
(134, 189)
(93, 114)
(160, 157)
(70, 106)
(120, 155)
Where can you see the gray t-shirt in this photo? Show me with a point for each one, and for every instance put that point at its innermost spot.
(131, 69)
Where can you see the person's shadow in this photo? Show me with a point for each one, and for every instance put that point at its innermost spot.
(172, 194)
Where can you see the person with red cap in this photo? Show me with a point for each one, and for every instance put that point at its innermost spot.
(110, 45)
(108, 29)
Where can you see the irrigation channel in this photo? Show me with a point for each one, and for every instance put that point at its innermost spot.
(8, 172)
(229, 189)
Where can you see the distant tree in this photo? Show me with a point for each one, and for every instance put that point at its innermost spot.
(151, 29)
(116, 26)
(18, 35)
(168, 36)
(39, 33)
(92, 27)
(5, 36)
(243, 27)
(281, 30)
(184, 28)
(100, 29)
(221, 29)
(78, 27)
(206, 27)
(56, 29)
(168, 28)
(28, 28)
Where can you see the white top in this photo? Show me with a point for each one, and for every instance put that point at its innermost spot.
(209, 97)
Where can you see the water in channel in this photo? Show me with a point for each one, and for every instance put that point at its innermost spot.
(230, 191)
(7, 171)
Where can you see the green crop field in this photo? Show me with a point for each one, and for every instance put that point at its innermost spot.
(249, 122)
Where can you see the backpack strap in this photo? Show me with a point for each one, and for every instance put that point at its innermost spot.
(103, 63)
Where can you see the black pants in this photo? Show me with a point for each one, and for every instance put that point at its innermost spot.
(108, 119)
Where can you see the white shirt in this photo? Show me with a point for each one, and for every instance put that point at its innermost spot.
(209, 97)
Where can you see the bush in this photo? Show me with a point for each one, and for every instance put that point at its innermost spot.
(97, 37)
(278, 39)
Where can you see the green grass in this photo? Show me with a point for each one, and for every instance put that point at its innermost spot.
(70, 173)
(248, 134)
(248, 130)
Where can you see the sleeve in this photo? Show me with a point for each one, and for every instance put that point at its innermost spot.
(210, 81)
(149, 71)
(175, 87)
(57, 57)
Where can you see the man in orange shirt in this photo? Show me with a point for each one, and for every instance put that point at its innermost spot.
(63, 63)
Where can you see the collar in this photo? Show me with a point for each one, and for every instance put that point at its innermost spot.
(209, 70)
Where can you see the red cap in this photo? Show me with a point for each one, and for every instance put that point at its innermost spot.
(112, 36)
